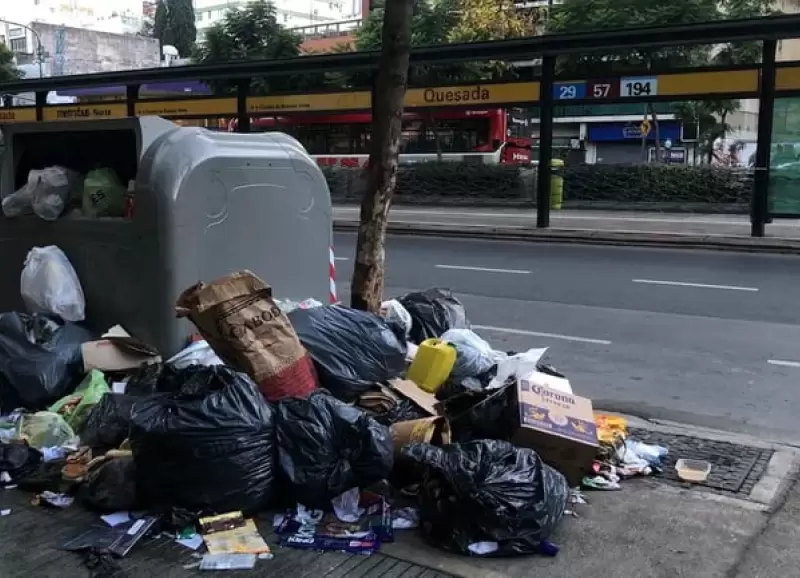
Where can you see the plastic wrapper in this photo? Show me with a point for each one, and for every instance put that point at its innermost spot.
(198, 353)
(75, 407)
(394, 312)
(433, 313)
(53, 191)
(327, 447)
(50, 285)
(487, 491)
(209, 448)
(103, 194)
(517, 366)
(352, 350)
(109, 422)
(40, 360)
(44, 429)
(475, 356)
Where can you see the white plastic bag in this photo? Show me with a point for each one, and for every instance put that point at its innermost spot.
(20, 202)
(52, 193)
(517, 366)
(49, 284)
(394, 311)
(198, 353)
(475, 356)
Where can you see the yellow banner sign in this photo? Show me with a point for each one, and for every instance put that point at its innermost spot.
(476, 95)
(86, 112)
(309, 102)
(202, 107)
(21, 114)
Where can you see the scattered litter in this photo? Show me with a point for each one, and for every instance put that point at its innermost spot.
(232, 534)
(5, 512)
(228, 562)
(405, 519)
(116, 518)
(695, 471)
(193, 542)
(54, 499)
(5, 478)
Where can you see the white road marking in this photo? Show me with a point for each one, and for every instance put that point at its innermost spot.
(698, 285)
(484, 269)
(342, 258)
(540, 334)
(784, 363)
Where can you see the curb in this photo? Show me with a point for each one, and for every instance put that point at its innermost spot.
(580, 236)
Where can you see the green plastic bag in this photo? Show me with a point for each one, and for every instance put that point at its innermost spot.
(103, 194)
(75, 407)
(44, 430)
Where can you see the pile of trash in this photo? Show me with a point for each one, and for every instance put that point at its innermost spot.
(54, 191)
(351, 425)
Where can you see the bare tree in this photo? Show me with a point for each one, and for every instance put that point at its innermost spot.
(387, 121)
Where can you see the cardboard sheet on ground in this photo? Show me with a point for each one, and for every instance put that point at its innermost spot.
(243, 540)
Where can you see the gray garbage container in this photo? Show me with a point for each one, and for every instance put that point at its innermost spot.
(205, 204)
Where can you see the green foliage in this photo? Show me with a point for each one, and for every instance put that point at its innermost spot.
(252, 33)
(585, 186)
(174, 24)
(657, 184)
(8, 71)
(454, 21)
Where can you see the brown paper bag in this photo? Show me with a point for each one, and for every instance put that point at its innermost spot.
(247, 329)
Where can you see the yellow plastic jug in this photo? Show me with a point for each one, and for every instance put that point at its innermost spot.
(432, 365)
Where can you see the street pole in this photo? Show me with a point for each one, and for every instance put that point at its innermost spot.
(39, 48)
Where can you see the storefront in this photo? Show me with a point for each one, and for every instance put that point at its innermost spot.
(622, 143)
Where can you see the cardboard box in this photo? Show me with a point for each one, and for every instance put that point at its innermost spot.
(117, 351)
(559, 427)
(410, 390)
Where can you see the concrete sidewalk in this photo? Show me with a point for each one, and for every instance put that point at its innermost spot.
(730, 232)
(654, 529)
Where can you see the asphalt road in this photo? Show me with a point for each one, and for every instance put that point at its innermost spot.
(706, 338)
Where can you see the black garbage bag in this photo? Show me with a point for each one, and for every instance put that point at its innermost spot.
(487, 491)
(210, 451)
(486, 414)
(109, 422)
(40, 360)
(326, 447)
(433, 312)
(155, 378)
(352, 350)
(110, 486)
(19, 460)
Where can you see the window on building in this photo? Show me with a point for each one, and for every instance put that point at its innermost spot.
(18, 45)
(199, 16)
(2, 39)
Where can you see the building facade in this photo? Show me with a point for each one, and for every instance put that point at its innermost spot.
(291, 13)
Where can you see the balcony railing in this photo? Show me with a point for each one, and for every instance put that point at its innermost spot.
(328, 29)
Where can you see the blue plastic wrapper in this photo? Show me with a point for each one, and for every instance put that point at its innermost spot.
(313, 530)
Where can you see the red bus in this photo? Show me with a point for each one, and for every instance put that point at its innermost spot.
(483, 136)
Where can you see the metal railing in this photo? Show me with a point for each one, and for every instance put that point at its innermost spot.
(328, 30)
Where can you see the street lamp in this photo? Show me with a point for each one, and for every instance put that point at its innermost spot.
(39, 49)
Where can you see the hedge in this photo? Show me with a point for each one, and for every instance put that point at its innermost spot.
(484, 184)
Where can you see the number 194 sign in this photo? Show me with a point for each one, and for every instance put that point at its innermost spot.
(638, 86)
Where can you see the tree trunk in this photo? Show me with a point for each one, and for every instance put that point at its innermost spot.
(366, 290)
